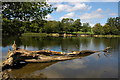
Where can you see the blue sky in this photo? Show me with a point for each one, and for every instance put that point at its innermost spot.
(92, 12)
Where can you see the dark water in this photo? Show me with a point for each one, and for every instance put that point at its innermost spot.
(98, 65)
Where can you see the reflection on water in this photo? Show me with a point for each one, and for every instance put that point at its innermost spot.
(98, 65)
(31, 70)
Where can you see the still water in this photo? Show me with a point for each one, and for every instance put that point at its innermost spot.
(97, 65)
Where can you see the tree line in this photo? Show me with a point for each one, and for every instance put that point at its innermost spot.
(66, 25)
(24, 17)
(112, 27)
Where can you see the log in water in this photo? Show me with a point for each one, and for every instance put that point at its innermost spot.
(18, 55)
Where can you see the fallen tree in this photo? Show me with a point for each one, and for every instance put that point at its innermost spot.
(18, 55)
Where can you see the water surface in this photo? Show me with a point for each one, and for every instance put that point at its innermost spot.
(98, 65)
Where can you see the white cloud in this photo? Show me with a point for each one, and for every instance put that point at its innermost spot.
(91, 24)
(72, 7)
(99, 10)
(93, 15)
(79, 6)
(108, 0)
(49, 17)
(61, 7)
(113, 14)
(69, 15)
(83, 0)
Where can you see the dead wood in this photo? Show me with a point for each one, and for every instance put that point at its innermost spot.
(17, 55)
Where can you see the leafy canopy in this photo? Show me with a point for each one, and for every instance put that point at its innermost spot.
(26, 11)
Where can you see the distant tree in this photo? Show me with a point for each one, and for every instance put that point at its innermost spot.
(98, 29)
(55, 26)
(40, 24)
(47, 27)
(114, 25)
(67, 24)
(118, 23)
(67, 20)
(52, 27)
(11, 26)
(106, 29)
(77, 25)
(86, 27)
(60, 26)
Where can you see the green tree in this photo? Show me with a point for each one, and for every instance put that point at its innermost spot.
(77, 25)
(34, 27)
(86, 27)
(25, 26)
(26, 11)
(40, 24)
(67, 24)
(98, 29)
(52, 27)
(18, 16)
(47, 27)
(106, 29)
(11, 26)
(113, 23)
(118, 23)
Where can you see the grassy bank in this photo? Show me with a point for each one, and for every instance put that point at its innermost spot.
(35, 34)
(106, 35)
(72, 34)
(89, 33)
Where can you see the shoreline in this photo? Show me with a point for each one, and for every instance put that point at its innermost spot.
(66, 35)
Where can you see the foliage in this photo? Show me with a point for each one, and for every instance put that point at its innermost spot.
(29, 17)
(67, 24)
(112, 27)
(98, 29)
(106, 29)
(114, 24)
(21, 17)
(11, 27)
(64, 26)
(86, 27)
(26, 11)
(77, 25)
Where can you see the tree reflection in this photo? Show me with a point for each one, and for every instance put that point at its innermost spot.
(97, 41)
(8, 40)
(70, 44)
(28, 70)
(60, 43)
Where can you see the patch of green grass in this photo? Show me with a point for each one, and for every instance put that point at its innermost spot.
(83, 32)
(57, 34)
(106, 35)
(35, 34)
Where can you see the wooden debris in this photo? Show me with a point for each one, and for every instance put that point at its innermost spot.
(17, 55)
(106, 49)
(14, 46)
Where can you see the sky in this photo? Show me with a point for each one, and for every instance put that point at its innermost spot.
(91, 12)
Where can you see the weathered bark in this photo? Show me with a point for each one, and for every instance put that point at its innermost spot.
(37, 56)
